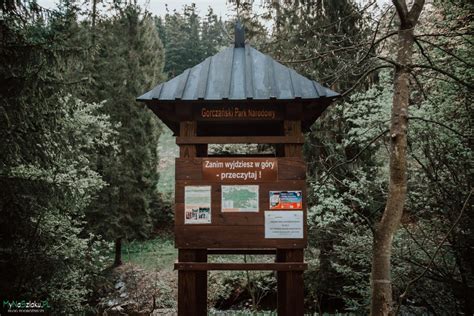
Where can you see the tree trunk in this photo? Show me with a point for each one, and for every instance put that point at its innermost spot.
(118, 252)
(381, 302)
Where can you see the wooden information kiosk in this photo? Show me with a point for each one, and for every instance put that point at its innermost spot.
(240, 204)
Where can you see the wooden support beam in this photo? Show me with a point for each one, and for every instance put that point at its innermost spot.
(187, 129)
(293, 129)
(184, 140)
(198, 266)
(241, 251)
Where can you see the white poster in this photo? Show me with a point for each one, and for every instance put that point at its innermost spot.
(284, 224)
(239, 198)
(197, 204)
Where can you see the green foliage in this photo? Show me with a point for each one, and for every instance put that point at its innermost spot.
(130, 61)
(189, 39)
(50, 173)
(46, 179)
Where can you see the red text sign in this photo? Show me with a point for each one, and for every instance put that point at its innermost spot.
(239, 170)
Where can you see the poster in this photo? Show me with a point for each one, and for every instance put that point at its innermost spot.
(286, 200)
(284, 224)
(197, 204)
(239, 198)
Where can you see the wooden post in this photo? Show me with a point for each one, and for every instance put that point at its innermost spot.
(192, 285)
(290, 284)
(187, 128)
(293, 128)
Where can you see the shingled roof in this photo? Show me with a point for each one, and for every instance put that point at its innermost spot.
(239, 72)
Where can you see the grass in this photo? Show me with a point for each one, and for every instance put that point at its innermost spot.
(154, 254)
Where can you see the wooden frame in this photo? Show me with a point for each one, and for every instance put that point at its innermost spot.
(238, 232)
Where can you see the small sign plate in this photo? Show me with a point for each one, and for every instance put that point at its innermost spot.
(284, 224)
(286, 200)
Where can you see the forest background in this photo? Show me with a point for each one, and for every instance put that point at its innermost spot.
(86, 172)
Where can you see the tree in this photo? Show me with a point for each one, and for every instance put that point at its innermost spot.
(130, 61)
(385, 230)
(189, 39)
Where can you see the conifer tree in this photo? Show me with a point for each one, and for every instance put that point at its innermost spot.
(129, 62)
(189, 39)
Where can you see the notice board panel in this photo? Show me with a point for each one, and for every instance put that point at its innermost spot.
(234, 229)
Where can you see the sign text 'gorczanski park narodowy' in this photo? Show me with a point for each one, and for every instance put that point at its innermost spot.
(229, 112)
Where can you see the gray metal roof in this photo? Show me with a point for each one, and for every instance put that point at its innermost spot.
(238, 73)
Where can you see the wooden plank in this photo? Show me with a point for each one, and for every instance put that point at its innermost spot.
(183, 140)
(252, 266)
(292, 168)
(209, 236)
(241, 251)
